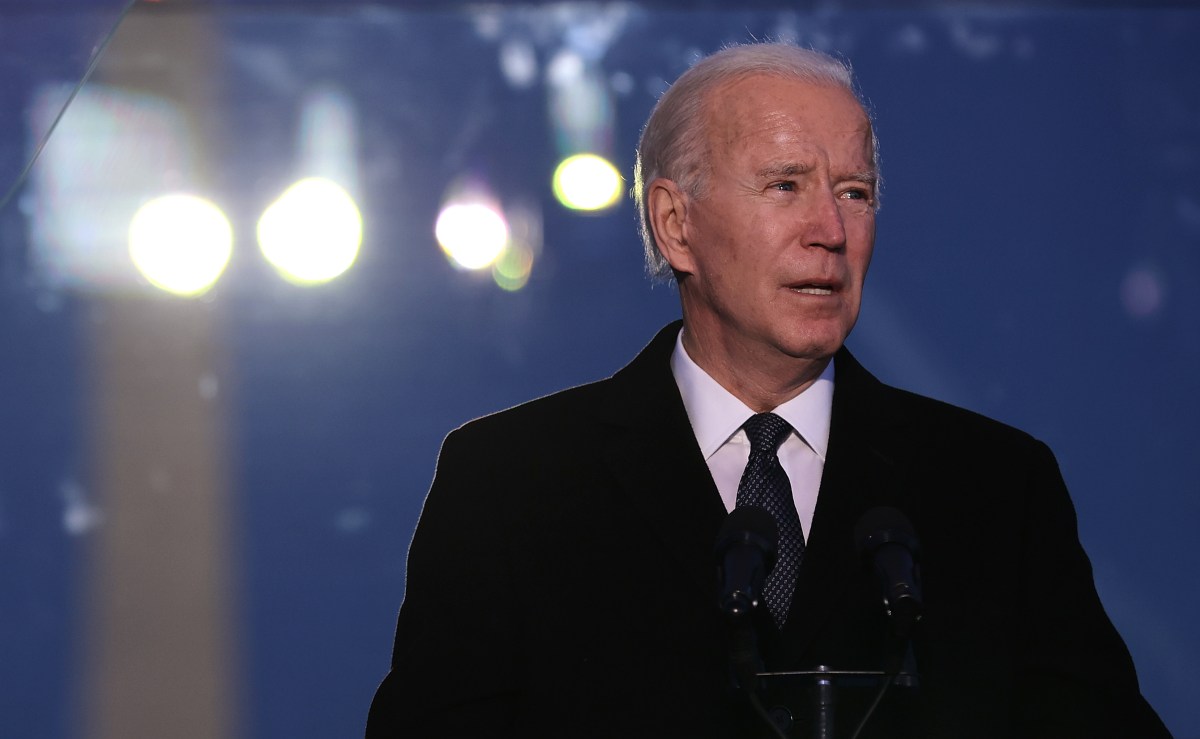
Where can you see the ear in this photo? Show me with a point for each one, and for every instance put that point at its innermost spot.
(668, 206)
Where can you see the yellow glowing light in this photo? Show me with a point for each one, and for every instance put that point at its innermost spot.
(312, 232)
(511, 270)
(473, 235)
(180, 243)
(587, 182)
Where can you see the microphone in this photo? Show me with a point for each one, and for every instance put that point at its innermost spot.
(885, 537)
(746, 548)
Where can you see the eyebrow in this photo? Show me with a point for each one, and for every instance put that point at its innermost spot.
(791, 169)
(866, 176)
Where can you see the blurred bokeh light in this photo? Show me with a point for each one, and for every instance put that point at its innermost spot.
(580, 101)
(312, 233)
(113, 151)
(180, 243)
(327, 137)
(472, 234)
(587, 182)
(511, 270)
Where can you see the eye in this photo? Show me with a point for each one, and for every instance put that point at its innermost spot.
(859, 196)
(784, 186)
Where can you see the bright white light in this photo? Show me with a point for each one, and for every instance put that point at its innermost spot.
(587, 182)
(473, 235)
(180, 243)
(312, 232)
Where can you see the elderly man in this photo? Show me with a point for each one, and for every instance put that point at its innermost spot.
(561, 581)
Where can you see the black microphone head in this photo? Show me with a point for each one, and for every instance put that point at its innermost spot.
(746, 550)
(885, 538)
(883, 525)
(753, 525)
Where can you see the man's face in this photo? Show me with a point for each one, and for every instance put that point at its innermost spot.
(778, 246)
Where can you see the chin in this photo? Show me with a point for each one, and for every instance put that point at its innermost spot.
(815, 345)
(813, 351)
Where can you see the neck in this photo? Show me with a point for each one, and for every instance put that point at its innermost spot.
(763, 380)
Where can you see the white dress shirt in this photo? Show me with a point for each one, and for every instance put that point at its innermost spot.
(717, 417)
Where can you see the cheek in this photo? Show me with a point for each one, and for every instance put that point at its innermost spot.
(863, 261)
(862, 247)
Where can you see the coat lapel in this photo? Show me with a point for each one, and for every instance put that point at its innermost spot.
(654, 457)
(860, 472)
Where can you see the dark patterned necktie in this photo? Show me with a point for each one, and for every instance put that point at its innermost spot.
(765, 484)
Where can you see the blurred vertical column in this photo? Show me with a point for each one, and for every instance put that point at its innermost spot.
(160, 626)
(161, 655)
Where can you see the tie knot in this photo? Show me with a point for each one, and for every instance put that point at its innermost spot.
(766, 432)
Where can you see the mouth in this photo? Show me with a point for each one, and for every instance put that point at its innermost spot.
(814, 288)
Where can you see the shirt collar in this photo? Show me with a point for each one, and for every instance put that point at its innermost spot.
(717, 415)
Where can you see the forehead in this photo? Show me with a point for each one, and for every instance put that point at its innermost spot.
(762, 111)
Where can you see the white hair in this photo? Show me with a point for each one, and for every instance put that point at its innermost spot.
(674, 144)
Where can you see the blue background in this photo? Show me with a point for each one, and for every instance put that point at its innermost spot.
(1039, 165)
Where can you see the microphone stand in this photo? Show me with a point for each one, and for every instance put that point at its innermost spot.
(746, 663)
(826, 680)
(746, 549)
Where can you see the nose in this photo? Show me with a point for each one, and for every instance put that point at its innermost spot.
(825, 227)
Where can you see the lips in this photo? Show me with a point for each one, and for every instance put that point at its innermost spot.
(815, 287)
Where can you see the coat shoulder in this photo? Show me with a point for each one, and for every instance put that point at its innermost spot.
(954, 421)
(555, 415)
(861, 398)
